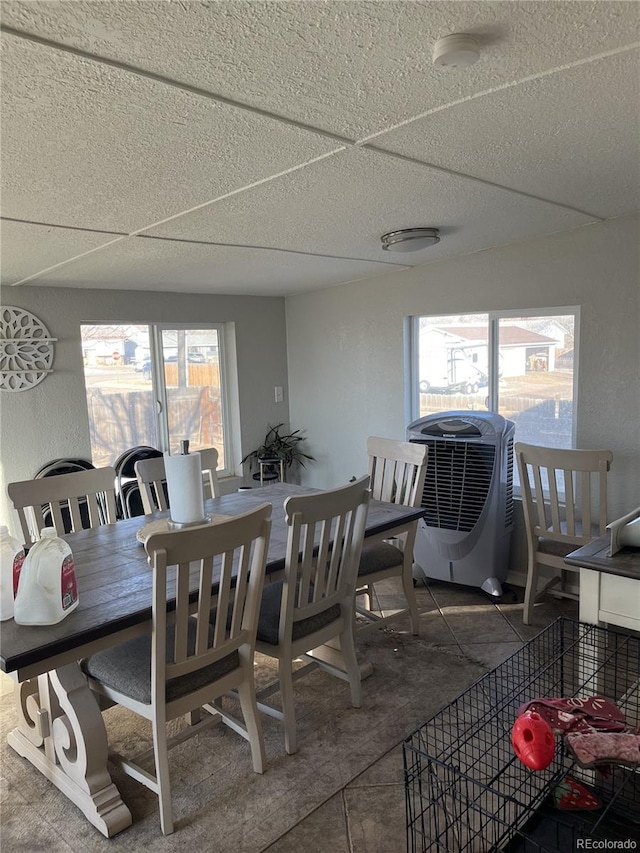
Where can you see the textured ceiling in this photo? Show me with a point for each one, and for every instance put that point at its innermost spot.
(263, 148)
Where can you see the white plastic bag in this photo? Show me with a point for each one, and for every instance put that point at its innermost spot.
(47, 591)
(11, 560)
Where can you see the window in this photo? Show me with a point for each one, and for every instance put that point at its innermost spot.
(520, 365)
(154, 385)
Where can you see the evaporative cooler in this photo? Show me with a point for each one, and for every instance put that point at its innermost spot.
(465, 534)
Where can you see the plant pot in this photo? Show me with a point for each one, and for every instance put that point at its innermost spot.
(267, 476)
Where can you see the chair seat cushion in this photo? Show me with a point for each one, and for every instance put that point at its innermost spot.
(269, 621)
(378, 557)
(127, 668)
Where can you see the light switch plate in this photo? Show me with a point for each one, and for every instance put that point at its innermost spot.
(279, 393)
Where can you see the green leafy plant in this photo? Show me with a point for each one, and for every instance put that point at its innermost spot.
(279, 446)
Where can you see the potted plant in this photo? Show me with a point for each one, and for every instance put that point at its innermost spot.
(278, 447)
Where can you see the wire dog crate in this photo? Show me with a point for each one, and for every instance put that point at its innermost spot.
(467, 792)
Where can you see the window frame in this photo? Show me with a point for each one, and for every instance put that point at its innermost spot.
(160, 389)
(158, 385)
(493, 341)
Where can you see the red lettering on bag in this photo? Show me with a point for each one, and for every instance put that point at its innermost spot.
(69, 584)
(18, 560)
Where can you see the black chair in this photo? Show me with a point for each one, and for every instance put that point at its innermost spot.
(64, 465)
(128, 498)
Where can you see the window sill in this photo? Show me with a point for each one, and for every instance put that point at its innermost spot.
(230, 484)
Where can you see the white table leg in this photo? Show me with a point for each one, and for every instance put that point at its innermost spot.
(589, 596)
(61, 732)
(591, 647)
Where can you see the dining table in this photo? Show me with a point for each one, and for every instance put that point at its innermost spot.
(59, 728)
(609, 583)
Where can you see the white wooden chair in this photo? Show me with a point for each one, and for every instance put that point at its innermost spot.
(78, 500)
(185, 664)
(152, 480)
(314, 602)
(397, 470)
(565, 506)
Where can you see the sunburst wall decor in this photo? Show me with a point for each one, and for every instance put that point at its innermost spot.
(26, 350)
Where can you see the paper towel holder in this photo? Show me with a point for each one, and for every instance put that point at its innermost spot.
(183, 525)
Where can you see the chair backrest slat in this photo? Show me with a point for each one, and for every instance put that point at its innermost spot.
(76, 518)
(56, 516)
(65, 496)
(237, 548)
(182, 612)
(564, 491)
(340, 535)
(586, 500)
(151, 477)
(224, 596)
(570, 481)
(554, 491)
(326, 531)
(204, 605)
(602, 495)
(536, 489)
(94, 511)
(307, 564)
(397, 470)
(209, 461)
(242, 580)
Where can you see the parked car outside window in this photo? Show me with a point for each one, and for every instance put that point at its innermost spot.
(192, 358)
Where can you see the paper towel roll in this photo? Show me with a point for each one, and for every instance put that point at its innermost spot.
(184, 484)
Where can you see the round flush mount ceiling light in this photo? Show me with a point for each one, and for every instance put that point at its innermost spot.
(410, 239)
(456, 51)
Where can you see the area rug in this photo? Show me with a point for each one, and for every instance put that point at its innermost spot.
(220, 804)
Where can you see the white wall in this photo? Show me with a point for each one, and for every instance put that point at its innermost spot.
(50, 420)
(346, 359)
(345, 352)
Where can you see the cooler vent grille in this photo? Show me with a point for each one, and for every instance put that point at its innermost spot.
(508, 518)
(457, 484)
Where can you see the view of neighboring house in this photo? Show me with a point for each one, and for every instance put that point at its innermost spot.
(106, 345)
(521, 350)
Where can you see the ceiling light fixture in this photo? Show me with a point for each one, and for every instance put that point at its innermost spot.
(458, 50)
(410, 239)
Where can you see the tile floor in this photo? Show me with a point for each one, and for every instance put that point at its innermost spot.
(368, 815)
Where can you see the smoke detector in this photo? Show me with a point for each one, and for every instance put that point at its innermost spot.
(410, 239)
(456, 51)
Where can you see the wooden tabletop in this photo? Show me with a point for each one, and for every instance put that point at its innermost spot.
(115, 583)
(593, 555)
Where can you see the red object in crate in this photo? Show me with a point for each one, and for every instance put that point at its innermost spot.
(571, 795)
(533, 740)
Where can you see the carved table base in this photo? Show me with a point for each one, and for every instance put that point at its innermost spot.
(61, 732)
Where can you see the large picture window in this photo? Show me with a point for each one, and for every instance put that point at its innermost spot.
(154, 385)
(522, 366)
